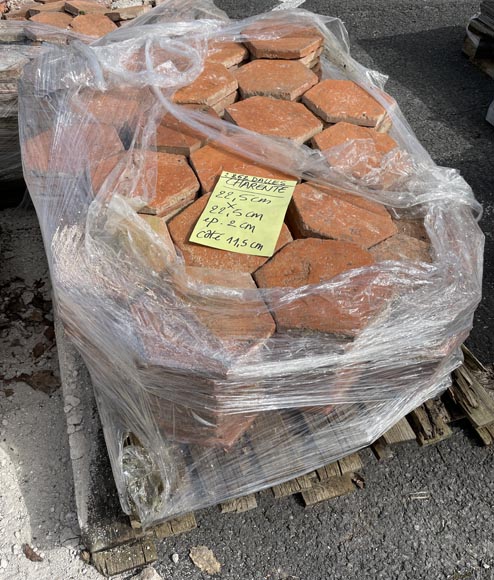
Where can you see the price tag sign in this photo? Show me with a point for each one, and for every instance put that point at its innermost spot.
(244, 214)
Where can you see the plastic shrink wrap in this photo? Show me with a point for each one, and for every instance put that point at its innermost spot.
(218, 373)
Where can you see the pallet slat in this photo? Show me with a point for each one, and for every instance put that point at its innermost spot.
(429, 422)
(239, 504)
(332, 487)
(125, 557)
(473, 398)
(401, 432)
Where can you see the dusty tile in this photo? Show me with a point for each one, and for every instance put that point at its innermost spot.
(117, 107)
(343, 100)
(209, 161)
(280, 79)
(51, 7)
(57, 19)
(127, 12)
(314, 212)
(181, 227)
(213, 84)
(275, 118)
(227, 53)
(77, 7)
(414, 228)
(402, 248)
(95, 25)
(220, 106)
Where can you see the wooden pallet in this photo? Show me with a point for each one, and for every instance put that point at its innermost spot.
(482, 60)
(467, 403)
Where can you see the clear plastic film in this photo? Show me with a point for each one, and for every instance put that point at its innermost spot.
(217, 373)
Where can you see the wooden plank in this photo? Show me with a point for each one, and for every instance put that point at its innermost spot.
(239, 504)
(382, 450)
(125, 557)
(329, 470)
(472, 397)
(350, 463)
(401, 432)
(332, 487)
(295, 485)
(174, 527)
(486, 434)
(429, 422)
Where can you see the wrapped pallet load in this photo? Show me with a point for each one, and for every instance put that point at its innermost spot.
(261, 266)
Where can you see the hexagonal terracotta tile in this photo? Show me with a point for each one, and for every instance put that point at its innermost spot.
(163, 181)
(212, 85)
(175, 136)
(181, 227)
(285, 43)
(314, 212)
(312, 261)
(229, 54)
(343, 100)
(47, 152)
(209, 161)
(356, 149)
(275, 118)
(280, 79)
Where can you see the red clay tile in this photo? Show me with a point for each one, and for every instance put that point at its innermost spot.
(164, 182)
(221, 105)
(344, 101)
(117, 107)
(360, 149)
(283, 42)
(57, 19)
(213, 84)
(227, 53)
(312, 261)
(209, 161)
(94, 141)
(402, 248)
(280, 79)
(77, 7)
(275, 118)
(239, 324)
(51, 7)
(95, 25)
(175, 136)
(317, 213)
(181, 227)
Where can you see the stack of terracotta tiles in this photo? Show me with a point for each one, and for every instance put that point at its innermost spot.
(271, 87)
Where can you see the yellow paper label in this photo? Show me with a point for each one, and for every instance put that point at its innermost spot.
(244, 214)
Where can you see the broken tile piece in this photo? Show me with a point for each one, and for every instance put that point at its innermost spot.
(275, 118)
(209, 161)
(335, 100)
(213, 84)
(316, 212)
(181, 227)
(279, 79)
